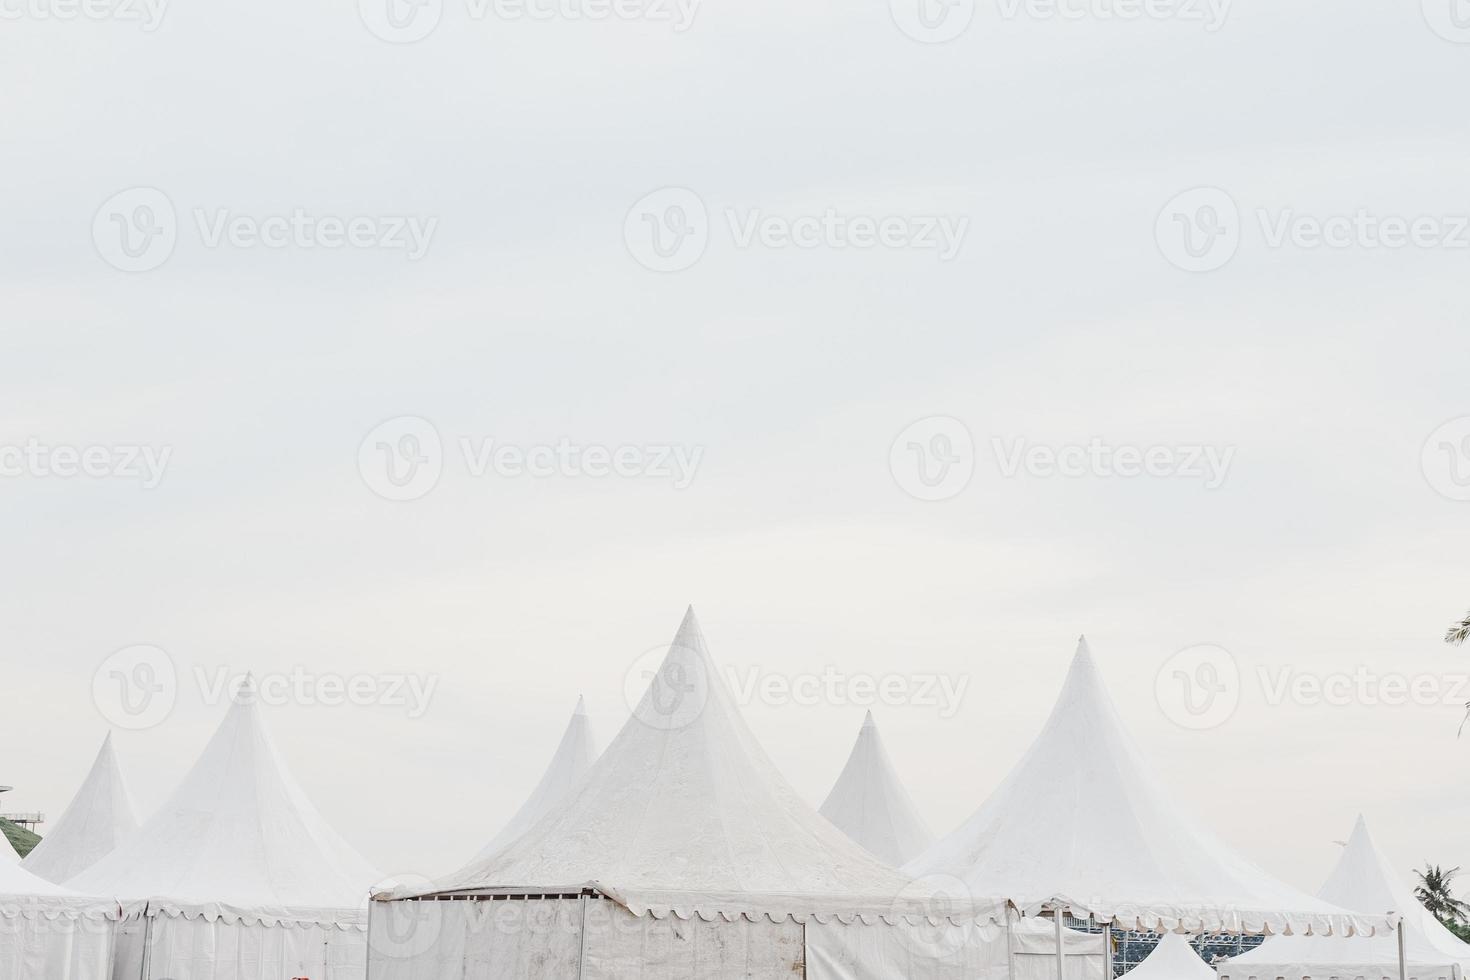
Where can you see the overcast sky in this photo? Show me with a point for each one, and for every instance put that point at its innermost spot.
(929, 338)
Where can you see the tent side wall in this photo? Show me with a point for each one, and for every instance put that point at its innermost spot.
(163, 943)
(41, 940)
(590, 937)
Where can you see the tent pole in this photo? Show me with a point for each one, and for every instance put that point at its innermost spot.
(1010, 946)
(1061, 954)
(1403, 959)
(1107, 951)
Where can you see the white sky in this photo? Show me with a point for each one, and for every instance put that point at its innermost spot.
(528, 321)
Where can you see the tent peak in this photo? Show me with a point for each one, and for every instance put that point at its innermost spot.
(868, 720)
(689, 636)
(581, 708)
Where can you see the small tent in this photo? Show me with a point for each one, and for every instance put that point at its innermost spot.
(683, 853)
(568, 765)
(1081, 825)
(1364, 881)
(1172, 959)
(870, 805)
(48, 931)
(237, 876)
(98, 818)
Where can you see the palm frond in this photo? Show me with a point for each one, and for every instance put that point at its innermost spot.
(1458, 633)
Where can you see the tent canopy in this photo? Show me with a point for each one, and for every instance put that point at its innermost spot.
(1364, 881)
(98, 818)
(684, 813)
(870, 805)
(573, 758)
(1081, 823)
(238, 836)
(1172, 959)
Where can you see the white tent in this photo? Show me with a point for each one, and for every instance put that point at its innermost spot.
(684, 853)
(1172, 959)
(47, 931)
(571, 762)
(237, 875)
(1362, 881)
(98, 818)
(1081, 824)
(870, 805)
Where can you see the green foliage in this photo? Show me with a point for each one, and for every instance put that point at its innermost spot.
(20, 838)
(1436, 892)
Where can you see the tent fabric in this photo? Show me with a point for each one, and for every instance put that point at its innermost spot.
(684, 814)
(99, 817)
(869, 804)
(1363, 880)
(165, 945)
(573, 758)
(1173, 959)
(48, 931)
(1081, 823)
(237, 830)
(588, 938)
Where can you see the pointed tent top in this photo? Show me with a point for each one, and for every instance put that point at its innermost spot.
(1031, 841)
(581, 708)
(690, 636)
(869, 804)
(574, 756)
(685, 775)
(98, 818)
(237, 830)
(245, 691)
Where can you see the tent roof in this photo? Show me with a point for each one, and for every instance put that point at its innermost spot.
(573, 758)
(1173, 959)
(870, 805)
(684, 813)
(1364, 881)
(1082, 823)
(237, 830)
(98, 818)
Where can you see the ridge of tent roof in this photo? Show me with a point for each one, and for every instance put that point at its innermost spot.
(99, 817)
